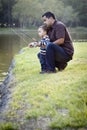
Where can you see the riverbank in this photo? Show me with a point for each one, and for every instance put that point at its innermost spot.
(4, 89)
(49, 101)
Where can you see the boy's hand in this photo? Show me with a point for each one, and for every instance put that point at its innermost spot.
(44, 46)
(32, 44)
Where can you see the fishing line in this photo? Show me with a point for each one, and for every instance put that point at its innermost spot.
(27, 35)
(19, 35)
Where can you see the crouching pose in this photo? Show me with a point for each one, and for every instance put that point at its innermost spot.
(61, 50)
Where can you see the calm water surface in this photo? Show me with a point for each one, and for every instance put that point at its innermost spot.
(9, 46)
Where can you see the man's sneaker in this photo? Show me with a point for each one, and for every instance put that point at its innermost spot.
(62, 66)
(43, 72)
(49, 71)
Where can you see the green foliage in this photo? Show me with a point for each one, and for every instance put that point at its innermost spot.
(8, 126)
(70, 16)
(81, 10)
(26, 13)
(28, 10)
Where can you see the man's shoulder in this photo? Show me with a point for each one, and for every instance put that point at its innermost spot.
(57, 24)
(60, 23)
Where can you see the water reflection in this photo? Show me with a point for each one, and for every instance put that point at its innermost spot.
(9, 46)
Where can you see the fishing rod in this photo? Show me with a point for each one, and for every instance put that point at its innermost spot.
(22, 36)
(27, 35)
(19, 35)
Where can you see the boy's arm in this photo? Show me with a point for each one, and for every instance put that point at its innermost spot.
(34, 44)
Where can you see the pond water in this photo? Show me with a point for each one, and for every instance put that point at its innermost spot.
(11, 44)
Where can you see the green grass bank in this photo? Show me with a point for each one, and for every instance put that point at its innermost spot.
(59, 100)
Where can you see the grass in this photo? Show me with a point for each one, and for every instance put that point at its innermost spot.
(8, 126)
(61, 97)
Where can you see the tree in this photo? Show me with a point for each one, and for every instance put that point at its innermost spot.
(29, 12)
(6, 11)
(26, 12)
(81, 9)
(70, 16)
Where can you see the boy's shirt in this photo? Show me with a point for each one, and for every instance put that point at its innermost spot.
(44, 41)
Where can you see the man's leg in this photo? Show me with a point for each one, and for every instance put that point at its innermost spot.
(61, 65)
(55, 53)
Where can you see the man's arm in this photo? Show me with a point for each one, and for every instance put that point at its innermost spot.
(59, 41)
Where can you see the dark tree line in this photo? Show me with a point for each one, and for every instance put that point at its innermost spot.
(25, 13)
(6, 17)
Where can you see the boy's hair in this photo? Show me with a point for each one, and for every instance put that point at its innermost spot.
(48, 15)
(44, 27)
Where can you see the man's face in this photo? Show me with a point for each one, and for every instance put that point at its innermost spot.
(47, 21)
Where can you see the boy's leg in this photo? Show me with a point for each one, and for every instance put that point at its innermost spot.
(42, 59)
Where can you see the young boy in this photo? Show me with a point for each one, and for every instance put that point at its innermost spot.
(42, 32)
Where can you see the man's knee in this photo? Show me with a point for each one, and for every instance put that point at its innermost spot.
(50, 46)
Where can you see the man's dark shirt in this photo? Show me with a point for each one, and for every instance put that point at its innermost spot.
(59, 30)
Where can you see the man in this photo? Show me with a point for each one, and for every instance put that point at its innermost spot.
(61, 50)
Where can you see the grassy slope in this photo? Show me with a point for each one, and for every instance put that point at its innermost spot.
(61, 96)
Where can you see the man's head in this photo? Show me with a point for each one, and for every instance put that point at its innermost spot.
(48, 18)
